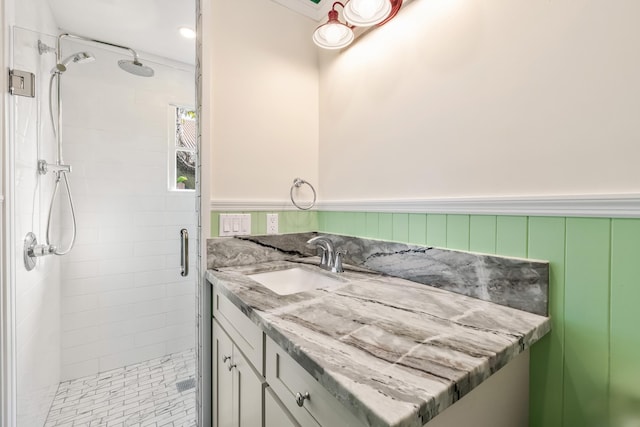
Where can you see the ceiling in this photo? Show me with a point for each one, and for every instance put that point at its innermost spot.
(147, 26)
(150, 26)
(314, 9)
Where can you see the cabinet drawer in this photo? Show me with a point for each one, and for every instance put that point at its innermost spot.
(244, 333)
(287, 378)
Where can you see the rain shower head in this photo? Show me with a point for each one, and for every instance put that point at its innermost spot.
(136, 67)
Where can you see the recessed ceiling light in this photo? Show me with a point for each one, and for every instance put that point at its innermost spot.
(187, 32)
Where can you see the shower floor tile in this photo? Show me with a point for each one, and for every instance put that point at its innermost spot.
(155, 393)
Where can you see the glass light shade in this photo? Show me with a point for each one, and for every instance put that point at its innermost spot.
(333, 35)
(365, 13)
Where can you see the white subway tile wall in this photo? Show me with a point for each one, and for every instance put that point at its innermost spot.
(123, 299)
(37, 291)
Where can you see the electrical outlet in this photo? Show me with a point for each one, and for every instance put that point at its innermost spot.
(272, 223)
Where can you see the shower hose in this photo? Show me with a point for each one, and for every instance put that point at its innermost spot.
(61, 174)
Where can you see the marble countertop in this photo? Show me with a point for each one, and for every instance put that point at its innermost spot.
(393, 351)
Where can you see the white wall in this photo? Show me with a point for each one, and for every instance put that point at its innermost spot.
(264, 100)
(37, 293)
(484, 98)
(123, 299)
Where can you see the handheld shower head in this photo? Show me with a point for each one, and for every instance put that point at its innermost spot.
(76, 58)
(135, 67)
(79, 58)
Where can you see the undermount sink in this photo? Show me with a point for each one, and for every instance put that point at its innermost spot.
(294, 280)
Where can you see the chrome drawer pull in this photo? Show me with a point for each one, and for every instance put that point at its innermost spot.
(300, 398)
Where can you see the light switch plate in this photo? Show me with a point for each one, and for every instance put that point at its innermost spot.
(234, 225)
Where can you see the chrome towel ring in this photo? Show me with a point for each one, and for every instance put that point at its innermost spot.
(297, 183)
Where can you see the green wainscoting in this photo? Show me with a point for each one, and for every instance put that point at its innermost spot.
(586, 372)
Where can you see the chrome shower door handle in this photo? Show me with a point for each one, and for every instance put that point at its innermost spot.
(184, 252)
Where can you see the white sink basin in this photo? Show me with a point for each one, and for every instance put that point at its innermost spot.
(294, 280)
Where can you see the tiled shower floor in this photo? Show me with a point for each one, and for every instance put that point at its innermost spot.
(158, 392)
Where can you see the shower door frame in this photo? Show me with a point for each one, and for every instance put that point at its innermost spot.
(7, 316)
(8, 363)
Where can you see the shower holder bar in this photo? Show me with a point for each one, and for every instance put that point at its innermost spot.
(44, 167)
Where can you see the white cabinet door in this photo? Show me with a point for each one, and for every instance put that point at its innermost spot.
(248, 386)
(276, 415)
(237, 387)
(222, 378)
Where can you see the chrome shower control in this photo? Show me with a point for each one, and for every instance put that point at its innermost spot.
(32, 250)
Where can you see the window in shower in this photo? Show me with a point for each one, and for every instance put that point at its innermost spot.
(182, 169)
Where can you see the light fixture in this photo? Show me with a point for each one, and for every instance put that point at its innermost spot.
(365, 13)
(333, 34)
(357, 13)
(187, 32)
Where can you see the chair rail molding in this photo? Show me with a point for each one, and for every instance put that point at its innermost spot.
(623, 205)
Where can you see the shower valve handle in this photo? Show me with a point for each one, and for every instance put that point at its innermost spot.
(42, 250)
(44, 167)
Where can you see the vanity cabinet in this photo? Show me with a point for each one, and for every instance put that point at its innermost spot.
(237, 388)
(240, 366)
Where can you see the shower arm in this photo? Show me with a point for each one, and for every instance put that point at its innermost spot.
(136, 60)
(88, 39)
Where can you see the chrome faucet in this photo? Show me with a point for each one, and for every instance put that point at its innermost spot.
(331, 259)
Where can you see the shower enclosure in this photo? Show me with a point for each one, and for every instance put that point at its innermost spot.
(102, 308)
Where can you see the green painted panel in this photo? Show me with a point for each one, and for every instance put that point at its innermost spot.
(322, 221)
(458, 232)
(287, 222)
(254, 222)
(262, 224)
(437, 230)
(215, 223)
(511, 236)
(360, 224)
(401, 227)
(385, 226)
(418, 229)
(482, 234)
(372, 224)
(547, 242)
(332, 222)
(625, 318)
(586, 362)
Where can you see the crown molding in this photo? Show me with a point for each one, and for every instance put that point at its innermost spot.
(589, 205)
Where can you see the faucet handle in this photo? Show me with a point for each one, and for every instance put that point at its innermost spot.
(337, 263)
(323, 256)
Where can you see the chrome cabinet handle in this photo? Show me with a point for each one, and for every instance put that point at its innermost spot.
(225, 358)
(231, 366)
(300, 398)
(184, 252)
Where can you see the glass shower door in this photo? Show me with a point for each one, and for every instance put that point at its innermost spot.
(107, 332)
